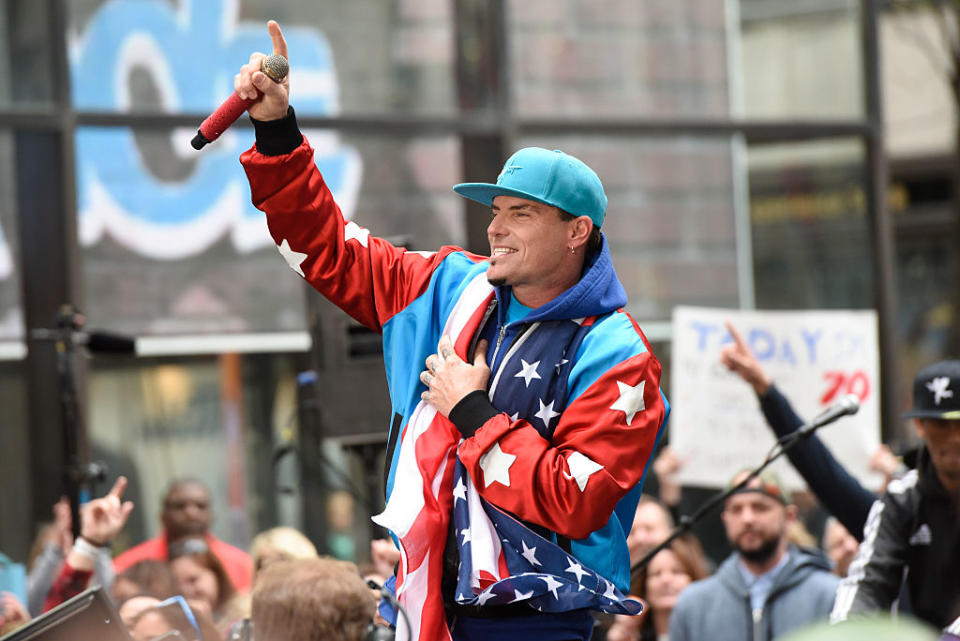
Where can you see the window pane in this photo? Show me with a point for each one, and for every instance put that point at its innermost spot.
(11, 314)
(811, 233)
(670, 217)
(619, 58)
(800, 59)
(26, 58)
(173, 245)
(158, 420)
(357, 57)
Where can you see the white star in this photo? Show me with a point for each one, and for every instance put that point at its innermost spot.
(495, 464)
(608, 594)
(465, 533)
(562, 362)
(546, 413)
(353, 230)
(460, 491)
(515, 417)
(530, 554)
(520, 596)
(577, 569)
(294, 259)
(484, 596)
(552, 584)
(527, 372)
(630, 401)
(581, 467)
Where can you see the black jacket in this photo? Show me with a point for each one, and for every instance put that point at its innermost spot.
(914, 525)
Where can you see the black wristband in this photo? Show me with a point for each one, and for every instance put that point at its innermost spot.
(278, 137)
(471, 412)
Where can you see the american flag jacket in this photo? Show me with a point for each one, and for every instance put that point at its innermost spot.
(542, 488)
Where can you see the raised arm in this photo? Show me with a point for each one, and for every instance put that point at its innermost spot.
(836, 489)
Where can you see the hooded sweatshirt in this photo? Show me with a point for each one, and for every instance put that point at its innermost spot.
(718, 608)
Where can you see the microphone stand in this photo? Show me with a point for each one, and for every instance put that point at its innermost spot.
(686, 522)
(77, 476)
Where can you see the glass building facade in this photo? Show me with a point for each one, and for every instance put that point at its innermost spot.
(737, 141)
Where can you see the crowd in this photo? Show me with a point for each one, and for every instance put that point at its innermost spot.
(186, 579)
(187, 584)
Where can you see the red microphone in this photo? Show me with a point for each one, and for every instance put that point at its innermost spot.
(274, 66)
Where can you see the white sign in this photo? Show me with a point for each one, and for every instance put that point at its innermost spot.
(813, 357)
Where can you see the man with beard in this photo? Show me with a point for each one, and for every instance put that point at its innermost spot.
(913, 530)
(187, 514)
(767, 587)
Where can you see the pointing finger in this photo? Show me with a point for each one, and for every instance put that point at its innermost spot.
(737, 338)
(118, 487)
(276, 35)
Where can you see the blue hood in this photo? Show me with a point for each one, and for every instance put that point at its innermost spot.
(597, 292)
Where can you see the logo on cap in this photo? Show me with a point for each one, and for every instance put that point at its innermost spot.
(939, 387)
(508, 170)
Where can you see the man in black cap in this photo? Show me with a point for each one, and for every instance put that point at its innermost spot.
(915, 525)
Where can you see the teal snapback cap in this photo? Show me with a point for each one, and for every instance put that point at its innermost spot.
(550, 177)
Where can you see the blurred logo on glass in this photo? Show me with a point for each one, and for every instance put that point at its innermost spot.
(191, 51)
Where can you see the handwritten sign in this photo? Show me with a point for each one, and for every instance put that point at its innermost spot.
(813, 357)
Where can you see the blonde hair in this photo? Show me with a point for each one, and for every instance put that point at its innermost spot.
(287, 542)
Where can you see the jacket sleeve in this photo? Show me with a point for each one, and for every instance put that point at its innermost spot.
(68, 584)
(873, 581)
(45, 570)
(599, 451)
(367, 277)
(836, 489)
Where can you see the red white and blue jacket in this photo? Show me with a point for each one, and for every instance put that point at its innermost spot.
(558, 447)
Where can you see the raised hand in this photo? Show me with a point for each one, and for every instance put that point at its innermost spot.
(739, 359)
(251, 82)
(102, 519)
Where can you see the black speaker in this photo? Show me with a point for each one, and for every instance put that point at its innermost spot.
(89, 616)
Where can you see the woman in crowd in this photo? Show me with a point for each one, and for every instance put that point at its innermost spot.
(659, 584)
(204, 582)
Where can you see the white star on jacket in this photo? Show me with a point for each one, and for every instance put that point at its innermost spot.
(546, 413)
(630, 401)
(577, 569)
(528, 372)
(460, 491)
(581, 467)
(495, 464)
(552, 585)
(293, 258)
(530, 554)
(353, 230)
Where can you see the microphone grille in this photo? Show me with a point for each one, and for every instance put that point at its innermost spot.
(851, 403)
(275, 66)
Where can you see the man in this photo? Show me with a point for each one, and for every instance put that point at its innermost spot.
(539, 406)
(766, 587)
(652, 524)
(839, 545)
(914, 526)
(186, 513)
(319, 599)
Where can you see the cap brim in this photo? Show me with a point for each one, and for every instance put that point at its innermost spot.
(484, 193)
(949, 415)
